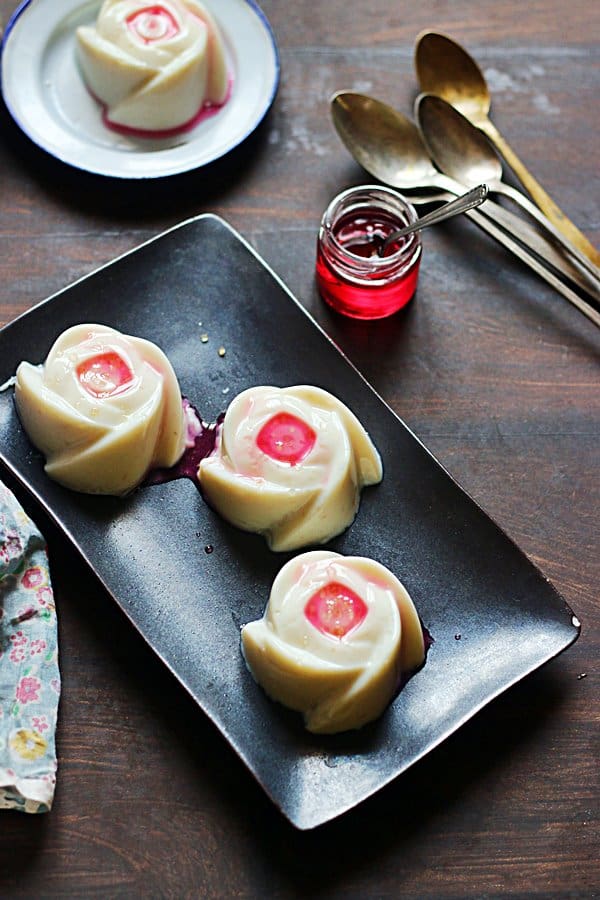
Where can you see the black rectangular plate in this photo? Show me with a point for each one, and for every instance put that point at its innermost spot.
(464, 574)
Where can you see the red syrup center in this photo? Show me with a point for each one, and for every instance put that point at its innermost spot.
(286, 438)
(363, 234)
(335, 610)
(104, 375)
(152, 23)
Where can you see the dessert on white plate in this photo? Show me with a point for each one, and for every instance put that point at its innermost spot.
(153, 66)
(104, 409)
(289, 463)
(338, 634)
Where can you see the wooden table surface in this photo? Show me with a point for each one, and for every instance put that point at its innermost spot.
(495, 372)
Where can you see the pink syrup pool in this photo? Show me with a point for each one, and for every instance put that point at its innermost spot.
(206, 111)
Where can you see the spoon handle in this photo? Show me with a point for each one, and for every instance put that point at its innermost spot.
(538, 194)
(530, 237)
(472, 198)
(525, 256)
(521, 200)
(545, 249)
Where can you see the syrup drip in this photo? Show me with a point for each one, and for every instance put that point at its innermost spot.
(428, 641)
(206, 111)
(201, 443)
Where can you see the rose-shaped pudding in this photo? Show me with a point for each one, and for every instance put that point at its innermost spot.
(154, 66)
(103, 409)
(336, 637)
(289, 463)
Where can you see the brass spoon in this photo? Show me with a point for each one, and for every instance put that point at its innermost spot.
(389, 147)
(386, 143)
(446, 69)
(463, 152)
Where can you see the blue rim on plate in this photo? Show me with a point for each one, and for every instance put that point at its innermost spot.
(47, 98)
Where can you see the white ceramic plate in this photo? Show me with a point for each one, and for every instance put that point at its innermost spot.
(45, 94)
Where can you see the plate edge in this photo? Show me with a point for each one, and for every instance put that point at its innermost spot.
(131, 176)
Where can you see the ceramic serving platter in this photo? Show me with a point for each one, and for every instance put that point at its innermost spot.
(45, 94)
(464, 574)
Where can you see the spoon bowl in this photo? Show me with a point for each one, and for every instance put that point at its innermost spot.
(464, 153)
(385, 143)
(389, 147)
(446, 69)
(457, 146)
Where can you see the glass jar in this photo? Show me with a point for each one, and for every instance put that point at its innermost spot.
(351, 276)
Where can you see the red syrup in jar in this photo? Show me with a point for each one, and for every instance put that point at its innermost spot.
(351, 275)
(363, 233)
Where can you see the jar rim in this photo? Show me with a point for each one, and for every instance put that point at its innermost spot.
(328, 222)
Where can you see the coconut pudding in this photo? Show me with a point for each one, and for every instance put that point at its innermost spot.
(289, 463)
(104, 409)
(337, 635)
(154, 66)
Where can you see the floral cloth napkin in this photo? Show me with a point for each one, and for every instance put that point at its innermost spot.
(29, 674)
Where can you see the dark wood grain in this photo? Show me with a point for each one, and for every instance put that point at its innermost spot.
(498, 376)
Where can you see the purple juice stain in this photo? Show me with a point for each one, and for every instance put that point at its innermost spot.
(200, 443)
(428, 641)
